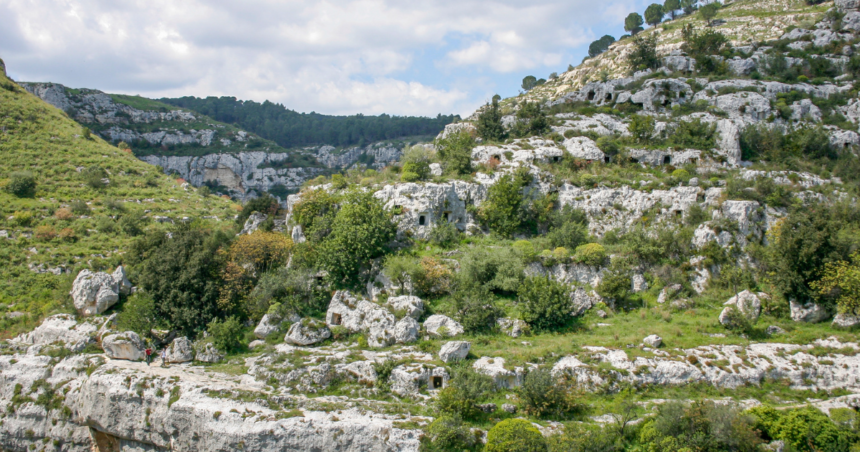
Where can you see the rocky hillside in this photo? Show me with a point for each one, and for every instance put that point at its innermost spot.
(660, 260)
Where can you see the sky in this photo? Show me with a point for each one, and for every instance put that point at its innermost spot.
(338, 57)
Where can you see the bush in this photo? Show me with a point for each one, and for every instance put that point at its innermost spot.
(23, 218)
(543, 394)
(181, 274)
(455, 151)
(266, 204)
(475, 309)
(585, 438)
(841, 281)
(314, 213)
(808, 429)
(498, 269)
(545, 303)
(360, 232)
(531, 120)
(447, 433)
(568, 228)
(515, 435)
(226, 334)
(79, 208)
(466, 389)
(132, 224)
(489, 124)
(295, 291)
(416, 161)
(642, 127)
(700, 426)
(22, 184)
(590, 254)
(44, 233)
(94, 176)
(695, 133)
(615, 287)
(504, 212)
(204, 191)
(63, 214)
(644, 53)
(138, 314)
(444, 234)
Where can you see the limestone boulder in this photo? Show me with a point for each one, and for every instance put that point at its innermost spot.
(266, 327)
(653, 341)
(253, 223)
(407, 379)
(581, 301)
(846, 321)
(207, 353)
(455, 351)
(93, 293)
(440, 325)
(307, 332)
(746, 303)
(122, 283)
(495, 368)
(512, 327)
(61, 329)
(126, 345)
(583, 148)
(360, 315)
(411, 305)
(180, 350)
(638, 283)
(406, 330)
(808, 312)
(668, 292)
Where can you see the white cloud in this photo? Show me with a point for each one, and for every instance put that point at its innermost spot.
(331, 56)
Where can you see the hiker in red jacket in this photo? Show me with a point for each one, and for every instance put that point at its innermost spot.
(148, 356)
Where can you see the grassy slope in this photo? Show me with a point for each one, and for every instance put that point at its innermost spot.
(37, 137)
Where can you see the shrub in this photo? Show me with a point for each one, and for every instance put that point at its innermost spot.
(808, 429)
(585, 438)
(545, 303)
(590, 254)
(707, 43)
(79, 208)
(644, 53)
(841, 282)
(489, 124)
(695, 133)
(447, 433)
(708, 12)
(415, 160)
(266, 204)
(138, 314)
(360, 232)
(515, 435)
(568, 228)
(642, 127)
(226, 334)
(94, 176)
(45, 233)
(132, 224)
(444, 234)
(63, 214)
(475, 309)
(295, 291)
(22, 184)
(466, 389)
(498, 269)
(615, 287)
(314, 213)
(504, 212)
(543, 394)
(703, 425)
(67, 234)
(531, 120)
(204, 191)
(455, 151)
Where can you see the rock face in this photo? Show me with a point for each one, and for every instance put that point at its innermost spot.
(582, 302)
(454, 351)
(746, 304)
(252, 224)
(61, 329)
(360, 315)
(307, 332)
(125, 345)
(122, 283)
(583, 148)
(440, 325)
(809, 312)
(423, 206)
(846, 321)
(180, 350)
(411, 305)
(245, 174)
(406, 330)
(207, 353)
(407, 379)
(495, 368)
(93, 293)
(512, 327)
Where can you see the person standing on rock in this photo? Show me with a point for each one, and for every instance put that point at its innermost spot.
(148, 353)
(164, 357)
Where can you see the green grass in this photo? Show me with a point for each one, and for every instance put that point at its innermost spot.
(142, 103)
(39, 138)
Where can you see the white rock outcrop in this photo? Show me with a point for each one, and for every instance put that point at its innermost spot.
(360, 315)
(746, 304)
(307, 332)
(410, 304)
(61, 329)
(808, 312)
(847, 321)
(126, 345)
(207, 353)
(495, 368)
(93, 293)
(583, 148)
(440, 325)
(653, 341)
(406, 330)
(512, 327)
(180, 350)
(454, 351)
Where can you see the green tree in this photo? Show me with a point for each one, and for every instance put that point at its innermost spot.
(93, 176)
(474, 308)
(808, 429)
(670, 6)
(544, 394)
(139, 315)
(531, 120)
(568, 228)
(226, 334)
(841, 282)
(644, 53)
(599, 46)
(515, 435)
(529, 82)
(466, 389)
(447, 433)
(293, 290)
(498, 269)
(503, 211)
(22, 184)
(708, 12)
(182, 275)
(455, 151)
(654, 14)
(544, 303)
(642, 127)
(688, 6)
(490, 123)
(266, 204)
(633, 23)
(360, 232)
(709, 42)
